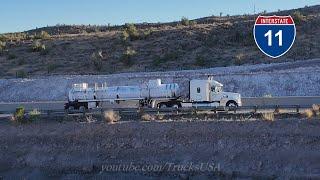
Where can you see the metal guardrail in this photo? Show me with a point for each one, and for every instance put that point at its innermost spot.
(234, 110)
(254, 108)
(177, 111)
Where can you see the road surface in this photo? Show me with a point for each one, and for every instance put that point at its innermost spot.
(252, 101)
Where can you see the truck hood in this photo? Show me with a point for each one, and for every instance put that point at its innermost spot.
(231, 95)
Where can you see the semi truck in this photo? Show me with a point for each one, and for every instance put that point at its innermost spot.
(154, 94)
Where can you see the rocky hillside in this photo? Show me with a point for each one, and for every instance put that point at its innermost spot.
(187, 44)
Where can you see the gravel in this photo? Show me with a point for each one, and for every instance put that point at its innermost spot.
(300, 78)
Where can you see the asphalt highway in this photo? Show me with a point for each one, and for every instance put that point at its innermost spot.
(246, 101)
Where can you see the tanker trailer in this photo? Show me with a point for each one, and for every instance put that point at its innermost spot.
(83, 97)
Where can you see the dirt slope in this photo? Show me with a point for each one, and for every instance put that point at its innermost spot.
(202, 43)
(256, 149)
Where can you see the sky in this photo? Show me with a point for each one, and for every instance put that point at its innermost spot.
(22, 15)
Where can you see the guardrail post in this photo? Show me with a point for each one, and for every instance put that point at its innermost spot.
(194, 111)
(255, 109)
(277, 109)
(298, 108)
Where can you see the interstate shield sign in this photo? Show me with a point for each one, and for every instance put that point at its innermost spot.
(274, 35)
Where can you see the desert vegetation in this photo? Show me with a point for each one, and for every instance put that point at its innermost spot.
(313, 112)
(111, 116)
(215, 41)
(2, 46)
(37, 46)
(97, 60)
(268, 116)
(127, 56)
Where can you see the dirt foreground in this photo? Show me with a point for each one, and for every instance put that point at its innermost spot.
(148, 150)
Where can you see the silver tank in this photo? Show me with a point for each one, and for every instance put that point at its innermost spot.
(152, 89)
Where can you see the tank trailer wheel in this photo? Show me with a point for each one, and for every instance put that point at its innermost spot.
(70, 108)
(82, 108)
(162, 105)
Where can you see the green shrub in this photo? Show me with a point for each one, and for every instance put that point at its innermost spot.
(44, 50)
(19, 115)
(37, 46)
(13, 37)
(192, 23)
(130, 33)
(200, 61)
(298, 17)
(127, 56)
(43, 35)
(34, 115)
(147, 33)
(125, 36)
(185, 21)
(21, 74)
(3, 38)
(96, 59)
(239, 59)
(2, 45)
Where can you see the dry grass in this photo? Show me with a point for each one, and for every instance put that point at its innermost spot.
(34, 114)
(316, 108)
(147, 117)
(19, 115)
(160, 117)
(268, 116)
(309, 113)
(279, 111)
(111, 116)
(314, 111)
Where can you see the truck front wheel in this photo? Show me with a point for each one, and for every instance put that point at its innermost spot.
(231, 104)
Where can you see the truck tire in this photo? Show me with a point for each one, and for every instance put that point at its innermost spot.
(82, 108)
(177, 105)
(162, 105)
(231, 104)
(71, 108)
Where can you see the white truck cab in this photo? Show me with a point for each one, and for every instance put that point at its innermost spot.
(211, 91)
